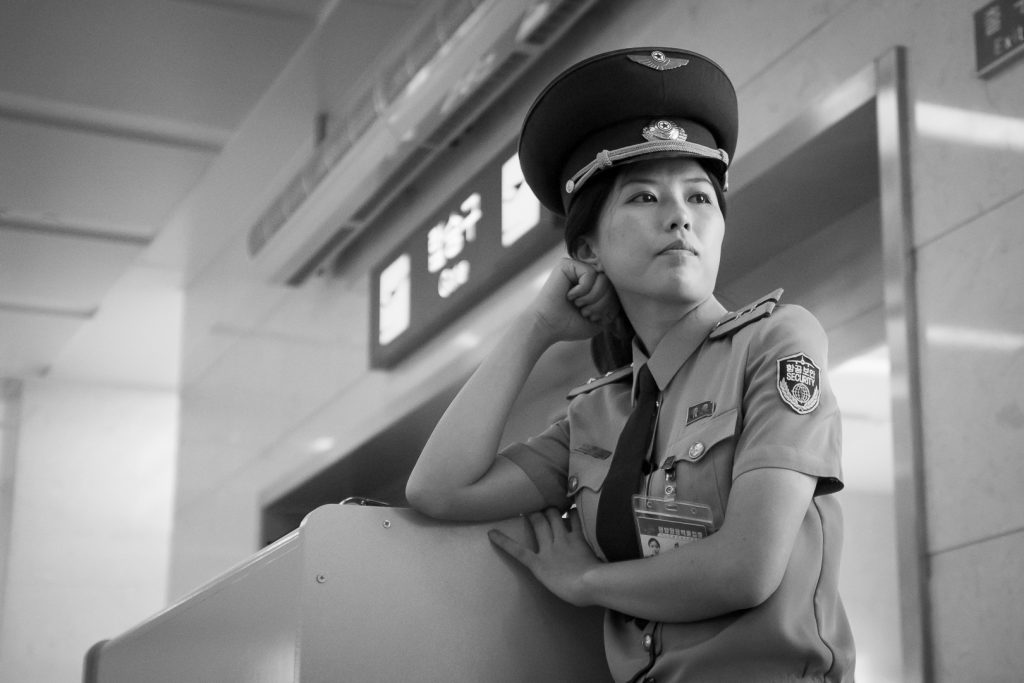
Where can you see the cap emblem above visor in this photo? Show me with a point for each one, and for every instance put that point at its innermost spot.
(659, 61)
(663, 130)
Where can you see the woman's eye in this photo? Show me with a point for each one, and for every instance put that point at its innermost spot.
(700, 198)
(643, 198)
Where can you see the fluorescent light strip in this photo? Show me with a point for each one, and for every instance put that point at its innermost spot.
(970, 127)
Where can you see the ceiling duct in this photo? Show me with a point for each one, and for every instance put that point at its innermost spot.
(415, 105)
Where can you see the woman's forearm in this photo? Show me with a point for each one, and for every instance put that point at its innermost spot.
(463, 446)
(684, 585)
(738, 567)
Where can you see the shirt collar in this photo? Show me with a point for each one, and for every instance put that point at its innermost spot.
(679, 342)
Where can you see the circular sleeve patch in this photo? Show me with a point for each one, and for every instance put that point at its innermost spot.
(798, 383)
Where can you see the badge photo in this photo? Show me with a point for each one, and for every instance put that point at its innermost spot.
(666, 524)
(798, 383)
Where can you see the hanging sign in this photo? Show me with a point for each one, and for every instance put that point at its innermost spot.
(998, 34)
(491, 228)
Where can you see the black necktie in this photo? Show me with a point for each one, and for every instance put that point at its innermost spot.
(615, 531)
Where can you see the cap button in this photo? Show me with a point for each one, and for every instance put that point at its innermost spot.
(574, 483)
(696, 450)
(648, 642)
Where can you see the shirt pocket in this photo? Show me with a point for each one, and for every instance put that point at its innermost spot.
(588, 469)
(703, 457)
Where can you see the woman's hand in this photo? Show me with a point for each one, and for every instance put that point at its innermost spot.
(562, 555)
(576, 301)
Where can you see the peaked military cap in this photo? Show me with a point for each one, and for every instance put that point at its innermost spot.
(625, 106)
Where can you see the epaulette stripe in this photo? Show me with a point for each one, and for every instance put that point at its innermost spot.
(607, 378)
(762, 308)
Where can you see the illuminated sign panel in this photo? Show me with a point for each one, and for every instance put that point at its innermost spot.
(483, 234)
(998, 35)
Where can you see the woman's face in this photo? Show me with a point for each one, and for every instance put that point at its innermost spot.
(659, 237)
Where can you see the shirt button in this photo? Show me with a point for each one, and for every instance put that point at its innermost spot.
(696, 450)
(648, 641)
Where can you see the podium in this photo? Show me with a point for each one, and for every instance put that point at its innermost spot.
(365, 594)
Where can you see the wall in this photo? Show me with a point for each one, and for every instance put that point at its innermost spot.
(276, 380)
(10, 410)
(89, 524)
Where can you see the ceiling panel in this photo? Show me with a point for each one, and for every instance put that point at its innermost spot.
(66, 273)
(124, 184)
(203, 62)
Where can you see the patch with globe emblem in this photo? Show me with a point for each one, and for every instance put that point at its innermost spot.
(798, 382)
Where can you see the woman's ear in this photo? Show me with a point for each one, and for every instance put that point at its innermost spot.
(587, 253)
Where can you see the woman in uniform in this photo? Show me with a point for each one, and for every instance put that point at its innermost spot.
(718, 439)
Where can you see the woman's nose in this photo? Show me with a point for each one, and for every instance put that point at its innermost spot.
(679, 216)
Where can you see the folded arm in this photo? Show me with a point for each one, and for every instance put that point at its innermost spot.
(738, 567)
(458, 474)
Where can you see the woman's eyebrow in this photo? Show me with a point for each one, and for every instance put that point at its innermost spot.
(699, 179)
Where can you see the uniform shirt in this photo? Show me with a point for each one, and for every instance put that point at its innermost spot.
(728, 407)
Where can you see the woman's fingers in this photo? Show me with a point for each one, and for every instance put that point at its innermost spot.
(591, 293)
(511, 547)
(561, 558)
(600, 304)
(573, 520)
(602, 289)
(542, 530)
(588, 283)
(548, 529)
(584, 278)
(555, 524)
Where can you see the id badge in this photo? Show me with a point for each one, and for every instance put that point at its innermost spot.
(664, 524)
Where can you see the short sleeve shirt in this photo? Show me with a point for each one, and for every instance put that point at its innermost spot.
(755, 397)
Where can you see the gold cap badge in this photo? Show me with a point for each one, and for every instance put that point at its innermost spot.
(663, 129)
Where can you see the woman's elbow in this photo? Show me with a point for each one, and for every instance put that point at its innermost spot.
(424, 500)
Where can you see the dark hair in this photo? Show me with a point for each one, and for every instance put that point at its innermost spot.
(611, 348)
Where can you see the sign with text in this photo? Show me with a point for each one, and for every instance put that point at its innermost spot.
(998, 34)
(491, 228)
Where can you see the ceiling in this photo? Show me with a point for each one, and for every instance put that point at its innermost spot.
(110, 111)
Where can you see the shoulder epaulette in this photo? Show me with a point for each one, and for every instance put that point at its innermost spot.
(731, 323)
(607, 378)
